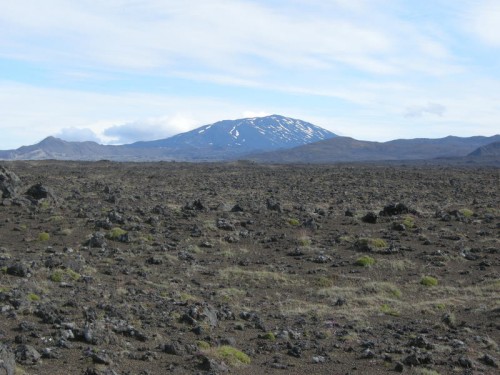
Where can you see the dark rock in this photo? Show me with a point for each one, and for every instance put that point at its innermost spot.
(174, 348)
(50, 353)
(395, 209)
(7, 360)
(295, 351)
(489, 360)
(9, 183)
(273, 205)
(27, 355)
(350, 212)
(421, 342)
(417, 359)
(212, 366)
(98, 240)
(18, 269)
(465, 362)
(102, 358)
(38, 192)
(370, 217)
(398, 227)
(368, 354)
(196, 205)
(48, 314)
(224, 224)
(399, 367)
(237, 208)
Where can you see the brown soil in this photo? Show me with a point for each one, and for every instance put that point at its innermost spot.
(273, 261)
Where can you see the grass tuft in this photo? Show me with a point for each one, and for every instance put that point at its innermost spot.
(429, 281)
(365, 261)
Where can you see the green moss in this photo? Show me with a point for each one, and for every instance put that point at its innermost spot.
(33, 297)
(186, 297)
(269, 336)
(203, 345)
(294, 222)
(304, 241)
(232, 355)
(396, 292)
(369, 244)
(44, 236)
(466, 212)
(429, 281)
(386, 309)
(365, 261)
(116, 234)
(324, 282)
(59, 275)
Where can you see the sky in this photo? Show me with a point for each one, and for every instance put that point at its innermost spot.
(120, 71)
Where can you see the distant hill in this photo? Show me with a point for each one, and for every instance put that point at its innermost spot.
(345, 149)
(270, 139)
(489, 150)
(55, 148)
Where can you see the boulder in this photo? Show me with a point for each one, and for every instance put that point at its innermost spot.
(7, 361)
(9, 183)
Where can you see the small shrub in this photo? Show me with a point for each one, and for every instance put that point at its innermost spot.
(429, 281)
(409, 222)
(75, 276)
(44, 236)
(232, 355)
(294, 222)
(378, 243)
(365, 261)
(57, 276)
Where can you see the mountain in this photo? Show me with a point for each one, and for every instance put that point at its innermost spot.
(345, 149)
(237, 137)
(219, 141)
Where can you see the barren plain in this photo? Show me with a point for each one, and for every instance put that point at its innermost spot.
(174, 268)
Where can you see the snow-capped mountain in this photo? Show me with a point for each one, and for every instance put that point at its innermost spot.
(245, 135)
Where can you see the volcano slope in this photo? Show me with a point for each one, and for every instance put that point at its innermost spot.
(155, 268)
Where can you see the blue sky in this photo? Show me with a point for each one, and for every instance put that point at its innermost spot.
(118, 71)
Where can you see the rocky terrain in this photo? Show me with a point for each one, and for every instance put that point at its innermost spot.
(156, 268)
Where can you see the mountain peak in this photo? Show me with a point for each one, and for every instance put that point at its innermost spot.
(246, 135)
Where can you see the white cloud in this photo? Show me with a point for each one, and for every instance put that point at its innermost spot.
(243, 37)
(484, 21)
(430, 108)
(149, 129)
(77, 135)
